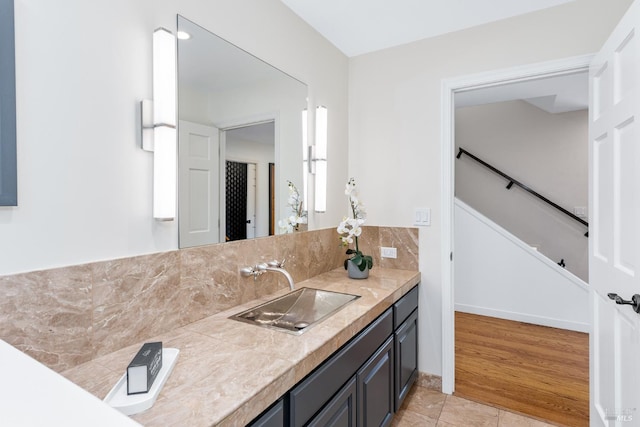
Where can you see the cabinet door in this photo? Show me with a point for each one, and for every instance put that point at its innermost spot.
(340, 411)
(375, 388)
(311, 394)
(274, 417)
(406, 353)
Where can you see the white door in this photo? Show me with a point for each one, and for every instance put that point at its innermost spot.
(614, 243)
(199, 181)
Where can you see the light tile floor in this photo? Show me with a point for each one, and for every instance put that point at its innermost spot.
(429, 408)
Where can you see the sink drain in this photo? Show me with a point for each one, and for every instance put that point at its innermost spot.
(301, 325)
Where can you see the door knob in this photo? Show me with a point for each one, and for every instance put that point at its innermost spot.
(635, 301)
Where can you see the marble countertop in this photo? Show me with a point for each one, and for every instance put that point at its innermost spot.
(228, 372)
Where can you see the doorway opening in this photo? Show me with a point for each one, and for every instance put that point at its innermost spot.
(248, 152)
(450, 88)
(241, 207)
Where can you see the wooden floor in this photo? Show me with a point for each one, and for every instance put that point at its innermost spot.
(535, 370)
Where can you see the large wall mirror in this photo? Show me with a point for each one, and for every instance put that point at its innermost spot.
(240, 140)
(8, 172)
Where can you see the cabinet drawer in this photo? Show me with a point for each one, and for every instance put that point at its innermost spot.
(405, 306)
(313, 392)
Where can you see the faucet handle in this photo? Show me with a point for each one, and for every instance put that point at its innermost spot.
(277, 264)
(274, 264)
(253, 271)
(247, 271)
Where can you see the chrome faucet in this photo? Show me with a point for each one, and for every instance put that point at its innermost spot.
(263, 267)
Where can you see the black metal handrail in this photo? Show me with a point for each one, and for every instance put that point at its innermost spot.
(524, 187)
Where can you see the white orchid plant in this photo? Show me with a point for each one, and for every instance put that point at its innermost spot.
(351, 228)
(298, 215)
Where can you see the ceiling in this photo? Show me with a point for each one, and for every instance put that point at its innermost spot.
(357, 27)
(361, 26)
(262, 133)
(559, 94)
(206, 61)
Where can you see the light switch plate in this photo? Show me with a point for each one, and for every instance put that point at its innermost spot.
(422, 217)
(580, 211)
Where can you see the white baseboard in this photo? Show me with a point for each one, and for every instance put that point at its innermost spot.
(523, 317)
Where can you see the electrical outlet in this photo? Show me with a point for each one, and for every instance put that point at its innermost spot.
(388, 252)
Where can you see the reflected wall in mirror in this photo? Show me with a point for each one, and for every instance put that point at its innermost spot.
(240, 140)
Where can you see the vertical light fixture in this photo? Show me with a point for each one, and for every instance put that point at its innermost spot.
(320, 160)
(306, 161)
(159, 127)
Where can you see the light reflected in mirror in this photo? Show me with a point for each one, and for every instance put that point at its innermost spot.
(240, 140)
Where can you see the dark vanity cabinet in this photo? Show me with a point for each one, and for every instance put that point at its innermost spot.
(405, 322)
(272, 417)
(363, 383)
(375, 388)
(310, 396)
(340, 411)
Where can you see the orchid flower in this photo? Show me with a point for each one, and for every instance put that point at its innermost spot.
(298, 215)
(350, 228)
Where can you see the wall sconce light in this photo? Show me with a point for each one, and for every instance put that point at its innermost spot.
(159, 125)
(306, 164)
(320, 160)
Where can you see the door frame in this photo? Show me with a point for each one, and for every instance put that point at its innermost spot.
(449, 87)
(240, 122)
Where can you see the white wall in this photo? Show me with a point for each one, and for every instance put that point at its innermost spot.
(489, 279)
(548, 153)
(395, 113)
(193, 105)
(282, 101)
(84, 185)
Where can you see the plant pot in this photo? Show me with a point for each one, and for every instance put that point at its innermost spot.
(355, 273)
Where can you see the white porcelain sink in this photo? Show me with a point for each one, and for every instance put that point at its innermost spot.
(296, 311)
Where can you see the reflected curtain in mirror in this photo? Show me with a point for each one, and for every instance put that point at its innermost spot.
(236, 195)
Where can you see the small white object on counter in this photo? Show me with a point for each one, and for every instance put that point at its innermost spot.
(135, 403)
(32, 395)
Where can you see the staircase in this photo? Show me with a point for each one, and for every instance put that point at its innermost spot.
(553, 230)
(498, 275)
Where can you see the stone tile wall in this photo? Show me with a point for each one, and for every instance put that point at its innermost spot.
(66, 316)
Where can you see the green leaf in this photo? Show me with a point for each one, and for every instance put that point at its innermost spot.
(357, 259)
(361, 261)
(369, 261)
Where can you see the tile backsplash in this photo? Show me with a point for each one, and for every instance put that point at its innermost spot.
(66, 316)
